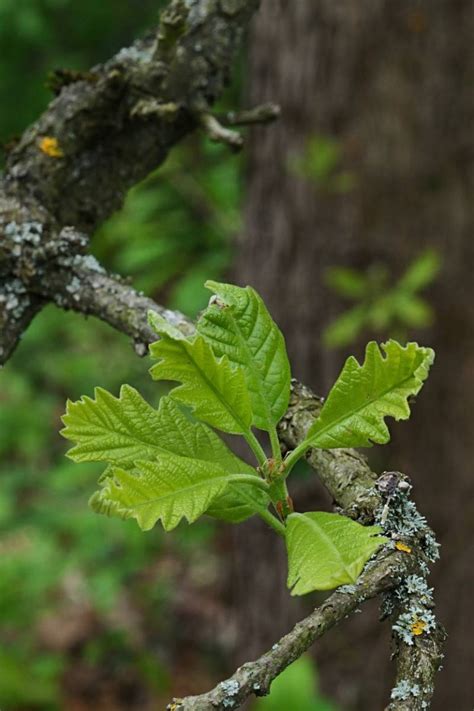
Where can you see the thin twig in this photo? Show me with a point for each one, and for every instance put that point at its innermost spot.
(219, 134)
(262, 114)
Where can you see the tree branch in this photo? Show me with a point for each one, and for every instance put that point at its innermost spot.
(105, 131)
(254, 678)
(106, 137)
(81, 284)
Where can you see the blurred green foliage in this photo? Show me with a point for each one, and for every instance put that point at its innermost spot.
(321, 163)
(54, 553)
(295, 688)
(382, 305)
(175, 229)
(38, 36)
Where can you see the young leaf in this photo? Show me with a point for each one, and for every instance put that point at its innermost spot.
(239, 326)
(126, 429)
(363, 395)
(168, 489)
(117, 430)
(326, 550)
(237, 503)
(212, 387)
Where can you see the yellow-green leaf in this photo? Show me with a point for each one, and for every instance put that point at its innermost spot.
(363, 395)
(168, 489)
(239, 326)
(326, 550)
(214, 389)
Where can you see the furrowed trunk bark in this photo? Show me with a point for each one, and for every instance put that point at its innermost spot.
(389, 82)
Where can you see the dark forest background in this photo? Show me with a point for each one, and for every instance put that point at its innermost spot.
(353, 217)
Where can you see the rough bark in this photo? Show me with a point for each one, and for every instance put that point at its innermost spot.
(389, 82)
(102, 134)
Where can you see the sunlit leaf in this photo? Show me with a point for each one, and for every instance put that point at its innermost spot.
(363, 395)
(168, 489)
(239, 326)
(214, 389)
(126, 429)
(326, 550)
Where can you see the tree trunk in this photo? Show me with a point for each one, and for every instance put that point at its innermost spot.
(390, 82)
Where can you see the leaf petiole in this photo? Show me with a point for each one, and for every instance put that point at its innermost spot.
(249, 479)
(275, 444)
(273, 522)
(256, 447)
(295, 455)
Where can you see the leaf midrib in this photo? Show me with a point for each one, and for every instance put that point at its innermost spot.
(250, 357)
(209, 383)
(224, 402)
(220, 478)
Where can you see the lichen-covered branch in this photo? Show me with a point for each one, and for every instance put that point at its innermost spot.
(106, 129)
(418, 637)
(255, 678)
(80, 284)
(344, 472)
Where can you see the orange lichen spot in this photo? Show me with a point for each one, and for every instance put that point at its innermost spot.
(50, 146)
(402, 547)
(418, 627)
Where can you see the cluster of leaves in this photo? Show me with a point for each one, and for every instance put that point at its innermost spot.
(234, 376)
(379, 305)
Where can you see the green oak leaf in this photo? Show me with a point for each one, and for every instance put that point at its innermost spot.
(326, 550)
(214, 389)
(239, 326)
(122, 430)
(363, 395)
(117, 430)
(168, 489)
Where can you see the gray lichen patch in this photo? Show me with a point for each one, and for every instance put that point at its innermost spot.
(230, 688)
(14, 300)
(405, 690)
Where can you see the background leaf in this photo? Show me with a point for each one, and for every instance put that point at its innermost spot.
(237, 503)
(214, 389)
(422, 272)
(326, 550)
(295, 688)
(240, 327)
(363, 395)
